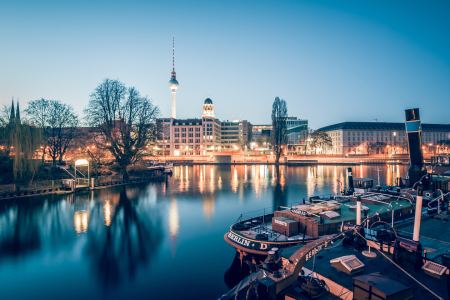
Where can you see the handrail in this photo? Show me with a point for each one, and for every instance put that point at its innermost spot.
(68, 172)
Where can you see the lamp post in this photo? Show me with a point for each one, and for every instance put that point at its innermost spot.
(81, 162)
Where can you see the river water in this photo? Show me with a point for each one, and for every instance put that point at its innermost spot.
(152, 240)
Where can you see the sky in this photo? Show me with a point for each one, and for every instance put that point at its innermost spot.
(331, 61)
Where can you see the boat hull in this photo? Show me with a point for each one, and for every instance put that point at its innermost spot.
(257, 247)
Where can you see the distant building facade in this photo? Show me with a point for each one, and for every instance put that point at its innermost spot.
(197, 137)
(297, 132)
(381, 138)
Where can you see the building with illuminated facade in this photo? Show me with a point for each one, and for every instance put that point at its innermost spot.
(382, 138)
(204, 136)
(297, 132)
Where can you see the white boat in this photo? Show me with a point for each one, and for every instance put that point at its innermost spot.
(165, 167)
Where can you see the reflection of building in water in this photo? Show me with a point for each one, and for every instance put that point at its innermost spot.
(107, 210)
(174, 222)
(234, 181)
(201, 183)
(81, 221)
(208, 207)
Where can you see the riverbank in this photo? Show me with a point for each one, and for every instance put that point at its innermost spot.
(65, 191)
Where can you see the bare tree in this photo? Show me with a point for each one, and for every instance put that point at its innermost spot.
(279, 137)
(37, 113)
(124, 123)
(61, 129)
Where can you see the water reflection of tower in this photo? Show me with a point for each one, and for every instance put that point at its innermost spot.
(174, 223)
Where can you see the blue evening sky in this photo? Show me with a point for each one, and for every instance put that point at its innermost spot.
(332, 61)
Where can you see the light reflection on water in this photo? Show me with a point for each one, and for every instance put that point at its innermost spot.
(134, 241)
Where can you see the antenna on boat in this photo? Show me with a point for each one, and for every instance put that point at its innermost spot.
(378, 185)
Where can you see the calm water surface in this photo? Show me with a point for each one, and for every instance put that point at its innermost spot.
(147, 241)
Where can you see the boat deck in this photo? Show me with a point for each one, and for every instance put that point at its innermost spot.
(273, 235)
(434, 234)
(321, 265)
(348, 215)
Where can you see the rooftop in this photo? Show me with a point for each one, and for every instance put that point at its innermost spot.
(382, 126)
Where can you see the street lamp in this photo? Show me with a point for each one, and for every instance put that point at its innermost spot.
(81, 162)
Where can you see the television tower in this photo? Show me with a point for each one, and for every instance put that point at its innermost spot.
(173, 83)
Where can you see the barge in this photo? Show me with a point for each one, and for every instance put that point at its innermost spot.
(368, 257)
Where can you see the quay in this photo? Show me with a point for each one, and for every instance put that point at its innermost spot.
(65, 191)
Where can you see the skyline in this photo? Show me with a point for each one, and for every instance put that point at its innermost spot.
(343, 57)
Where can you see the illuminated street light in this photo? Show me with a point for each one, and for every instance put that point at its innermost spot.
(81, 162)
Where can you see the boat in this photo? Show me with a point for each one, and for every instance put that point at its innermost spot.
(368, 254)
(355, 263)
(165, 167)
(254, 234)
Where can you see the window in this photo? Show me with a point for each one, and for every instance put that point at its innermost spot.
(191, 135)
(177, 129)
(183, 129)
(191, 129)
(183, 135)
(197, 140)
(197, 135)
(177, 135)
(191, 141)
(197, 129)
(183, 140)
(177, 146)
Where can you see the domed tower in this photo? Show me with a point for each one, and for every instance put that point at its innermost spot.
(173, 83)
(208, 108)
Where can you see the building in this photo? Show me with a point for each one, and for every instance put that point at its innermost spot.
(382, 138)
(259, 131)
(180, 137)
(234, 134)
(297, 133)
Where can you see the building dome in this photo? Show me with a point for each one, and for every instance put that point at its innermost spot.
(208, 101)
